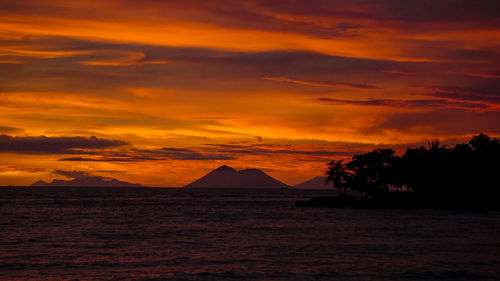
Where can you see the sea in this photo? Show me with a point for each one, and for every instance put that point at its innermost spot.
(49, 233)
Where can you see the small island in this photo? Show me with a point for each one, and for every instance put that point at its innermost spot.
(464, 176)
(82, 179)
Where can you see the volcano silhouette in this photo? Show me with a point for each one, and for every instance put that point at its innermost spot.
(227, 177)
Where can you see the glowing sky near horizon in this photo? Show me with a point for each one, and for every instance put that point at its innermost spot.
(173, 89)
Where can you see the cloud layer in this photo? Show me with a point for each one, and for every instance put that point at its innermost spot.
(55, 145)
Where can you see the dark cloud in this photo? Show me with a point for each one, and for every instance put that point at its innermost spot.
(75, 174)
(300, 16)
(264, 149)
(23, 170)
(245, 14)
(54, 145)
(390, 10)
(72, 174)
(326, 84)
(140, 155)
(465, 94)
(440, 122)
(417, 103)
(111, 171)
(473, 55)
(102, 159)
(483, 75)
(185, 71)
(263, 13)
(182, 154)
(207, 153)
(399, 72)
(441, 11)
(5, 129)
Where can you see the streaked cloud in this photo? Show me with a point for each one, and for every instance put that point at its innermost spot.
(343, 85)
(491, 96)
(400, 72)
(119, 58)
(19, 171)
(484, 75)
(412, 104)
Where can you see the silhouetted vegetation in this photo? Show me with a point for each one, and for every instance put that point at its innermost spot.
(433, 173)
(338, 174)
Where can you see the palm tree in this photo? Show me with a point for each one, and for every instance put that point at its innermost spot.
(435, 146)
(337, 173)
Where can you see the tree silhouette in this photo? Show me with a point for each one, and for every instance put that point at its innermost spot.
(484, 144)
(372, 171)
(465, 173)
(337, 173)
(435, 146)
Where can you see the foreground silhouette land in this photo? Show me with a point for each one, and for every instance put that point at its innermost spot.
(465, 176)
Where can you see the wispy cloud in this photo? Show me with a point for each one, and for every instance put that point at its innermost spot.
(412, 104)
(491, 96)
(142, 155)
(399, 72)
(342, 85)
(121, 58)
(181, 154)
(484, 75)
(18, 170)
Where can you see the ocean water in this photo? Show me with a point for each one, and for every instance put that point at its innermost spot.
(182, 234)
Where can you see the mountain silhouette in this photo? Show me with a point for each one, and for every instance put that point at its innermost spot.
(314, 183)
(227, 177)
(92, 181)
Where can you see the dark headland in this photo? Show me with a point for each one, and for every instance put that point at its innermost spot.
(463, 177)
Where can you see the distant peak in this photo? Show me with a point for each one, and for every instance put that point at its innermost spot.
(224, 168)
(40, 183)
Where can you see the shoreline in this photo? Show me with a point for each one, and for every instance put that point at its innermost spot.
(398, 202)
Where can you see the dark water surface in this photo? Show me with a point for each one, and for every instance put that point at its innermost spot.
(167, 234)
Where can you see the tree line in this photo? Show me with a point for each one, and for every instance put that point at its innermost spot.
(465, 171)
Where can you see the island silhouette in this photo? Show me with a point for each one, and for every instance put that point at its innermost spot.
(464, 176)
(90, 181)
(227, 177)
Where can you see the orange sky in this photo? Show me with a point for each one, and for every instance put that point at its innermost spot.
(173, 89)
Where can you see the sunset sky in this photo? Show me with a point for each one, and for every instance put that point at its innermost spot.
(161, 92)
